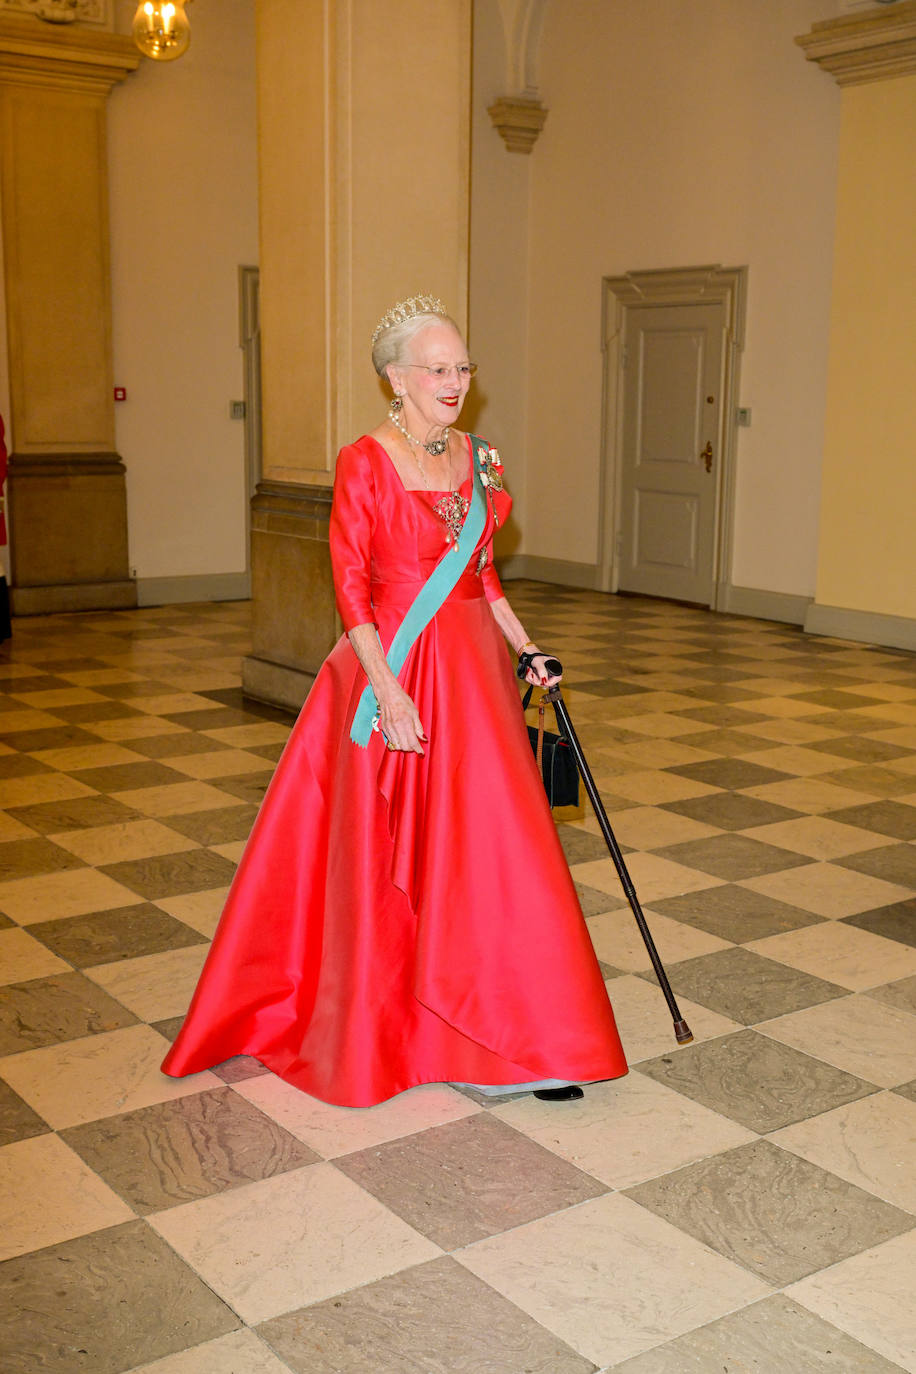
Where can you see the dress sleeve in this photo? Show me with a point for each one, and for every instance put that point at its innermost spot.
(492, 587)
(353, 517)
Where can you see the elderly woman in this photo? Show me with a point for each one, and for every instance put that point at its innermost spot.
(403, 912)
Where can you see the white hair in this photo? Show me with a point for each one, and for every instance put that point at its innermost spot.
(390, 347)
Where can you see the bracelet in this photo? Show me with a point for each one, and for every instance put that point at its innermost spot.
(528, 644)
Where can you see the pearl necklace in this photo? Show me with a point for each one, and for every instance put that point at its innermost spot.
(435, 448)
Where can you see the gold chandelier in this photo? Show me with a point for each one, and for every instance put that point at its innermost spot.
(161, 29)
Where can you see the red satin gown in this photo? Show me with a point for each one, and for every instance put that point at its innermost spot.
(398, 919)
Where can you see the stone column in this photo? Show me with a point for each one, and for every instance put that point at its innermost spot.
(364, 138)
(67, 504)
(866, 575)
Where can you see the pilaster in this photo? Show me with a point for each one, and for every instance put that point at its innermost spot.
(364, 199)
(68, 516)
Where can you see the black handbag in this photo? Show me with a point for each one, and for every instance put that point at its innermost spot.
(555, 760)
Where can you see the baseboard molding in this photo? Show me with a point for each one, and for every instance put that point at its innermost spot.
(73, 596)
(168, 591)
(764, 605)
(867, 627)
(561, 571)
(275, 683)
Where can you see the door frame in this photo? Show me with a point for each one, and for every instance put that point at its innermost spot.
(667, 287)
(250, 344)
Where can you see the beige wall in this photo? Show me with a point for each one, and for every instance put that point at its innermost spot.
(183, 180)
(678, 134)
(867, 544)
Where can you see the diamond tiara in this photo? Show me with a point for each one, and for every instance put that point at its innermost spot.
(408, 310)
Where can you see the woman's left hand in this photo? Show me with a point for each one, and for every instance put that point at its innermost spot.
(537, 673)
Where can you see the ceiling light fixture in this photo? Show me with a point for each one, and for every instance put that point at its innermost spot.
(161, 29)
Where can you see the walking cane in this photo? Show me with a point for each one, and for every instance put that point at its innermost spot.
(682, 1032)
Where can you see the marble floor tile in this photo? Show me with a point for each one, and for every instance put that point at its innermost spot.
(771, 1211)
(85, 1080)
(259, 732)
(214, 827)
(773, 1336)
(855, 1034)
(217, 764)
(48, 1195)
(178, 745)
(730, 774)
(199, 910)
(897, 819)
(76, 758)
(895, 922)
(752, 1080)
(46, 1011)
(819, 837)
(581, 845)
(625, 1131)
(871, 1297)
(645, 1281)
(645, 1024)
(872, 778)
(32, 857)
(895, 863)
(51, 818)
(124, 933)
(459, 1182)
(128, 1300)
(648, 787)
(23, 958)
(135, 726)
(334, 1131)
(652, 876)
(730, 810)
(838, 951)
(812, 795)
(746, 987)
(125, 840)
(248, 787)
(283, 1243)
(42, 787)
(732, 857)
(650, 827)
(437, 1318)
(154, 986)
(869, 1143)
(175, 1152)
(241, 1352)
(125, 777)
(828, 890)
(167, 875)
(11, 829)
(900, 994)
(19, 766)
(17, 1120)
(55, 895)
(734, 913)
(794, 759)
(175, 799)
(616, 938)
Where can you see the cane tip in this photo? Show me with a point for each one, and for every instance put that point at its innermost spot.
(682, 1033)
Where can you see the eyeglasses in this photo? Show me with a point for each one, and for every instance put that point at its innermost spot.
(440, 373)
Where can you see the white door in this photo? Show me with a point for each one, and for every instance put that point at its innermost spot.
(672, 401)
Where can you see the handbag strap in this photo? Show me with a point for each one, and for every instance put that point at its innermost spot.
(526, 701)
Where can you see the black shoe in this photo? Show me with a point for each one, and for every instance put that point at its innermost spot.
(570, 1093)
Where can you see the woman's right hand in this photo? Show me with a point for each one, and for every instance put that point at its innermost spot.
(399, 720)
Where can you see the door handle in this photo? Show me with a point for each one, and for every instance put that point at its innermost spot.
(706, 455)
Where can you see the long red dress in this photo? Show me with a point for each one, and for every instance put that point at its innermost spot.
(398, 919)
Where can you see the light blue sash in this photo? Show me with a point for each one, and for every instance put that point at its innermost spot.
(432, 594)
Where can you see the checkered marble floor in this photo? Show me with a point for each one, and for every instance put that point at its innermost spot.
(744, 1203)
